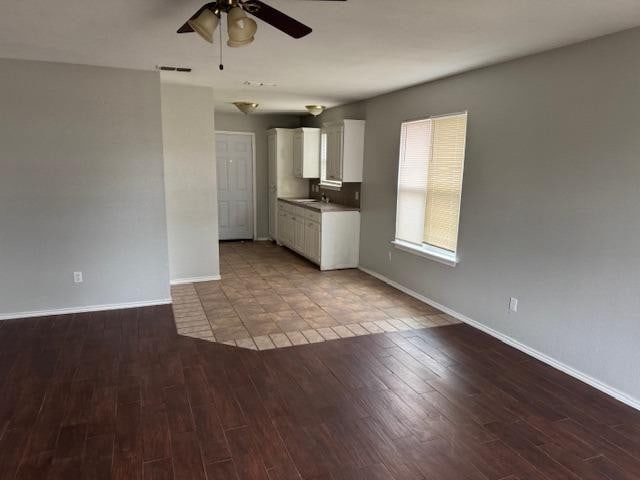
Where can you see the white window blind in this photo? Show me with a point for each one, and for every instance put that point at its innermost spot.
(444, 182)
(415, 150)
(324, 181)
(430, 181)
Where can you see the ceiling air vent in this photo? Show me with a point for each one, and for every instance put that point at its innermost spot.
(167, 68)
(254, 83)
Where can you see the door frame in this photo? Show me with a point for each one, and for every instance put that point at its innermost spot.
(253, 175)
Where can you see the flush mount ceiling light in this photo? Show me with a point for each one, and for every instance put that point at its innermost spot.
(315, 110)
(246, 107)
(241, 28)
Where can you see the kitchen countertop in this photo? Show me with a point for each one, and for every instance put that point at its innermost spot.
(319, 206)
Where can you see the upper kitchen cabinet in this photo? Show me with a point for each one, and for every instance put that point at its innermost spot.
(306, 153)
(344, 150)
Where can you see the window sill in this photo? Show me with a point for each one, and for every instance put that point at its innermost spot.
(432, 253)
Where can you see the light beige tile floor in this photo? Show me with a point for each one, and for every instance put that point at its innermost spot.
(270, 297)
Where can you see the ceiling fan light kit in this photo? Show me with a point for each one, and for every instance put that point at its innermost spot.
(246, 107)
(315, 110)
(240, 27)
(205, 24)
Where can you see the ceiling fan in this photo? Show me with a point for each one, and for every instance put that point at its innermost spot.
(241, 28)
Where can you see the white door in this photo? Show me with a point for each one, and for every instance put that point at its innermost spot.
(234, 156)
(273, 186)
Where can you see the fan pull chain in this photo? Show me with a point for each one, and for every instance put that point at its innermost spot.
(221, 66)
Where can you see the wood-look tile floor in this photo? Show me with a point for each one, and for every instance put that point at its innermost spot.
(271, 298)
(120, 395)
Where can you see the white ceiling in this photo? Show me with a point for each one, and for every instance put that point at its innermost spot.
(358, 49)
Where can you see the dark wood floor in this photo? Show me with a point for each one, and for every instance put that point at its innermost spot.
(120, 395)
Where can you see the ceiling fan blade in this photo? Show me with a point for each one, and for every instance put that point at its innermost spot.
(276, 18)
(186, 28)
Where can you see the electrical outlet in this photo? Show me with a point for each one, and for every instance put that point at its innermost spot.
(513, 304)
(77, 277)
(357, 195)
(389, 255)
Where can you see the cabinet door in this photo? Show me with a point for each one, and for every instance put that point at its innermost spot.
(312, 240)
(281, 224)
(334, 153)
(298, 154)
(308, 239)
(317, 242)
(339, 151)
(289, 227)
(273, 191)
(330, 152)
(298, 234)
(282, 218)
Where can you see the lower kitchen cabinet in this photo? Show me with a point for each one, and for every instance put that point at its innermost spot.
(329, 239)
(312, 240)
(298, 234)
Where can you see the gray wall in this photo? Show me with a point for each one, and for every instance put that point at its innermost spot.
(81, 187)
(551, 201)
(258, 124)
(190, 179)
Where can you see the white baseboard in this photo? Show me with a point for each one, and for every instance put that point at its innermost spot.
(90, 308)
(603, 387)
(182, 281)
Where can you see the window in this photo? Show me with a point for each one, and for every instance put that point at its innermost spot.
(324, 181)
(430, 186)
